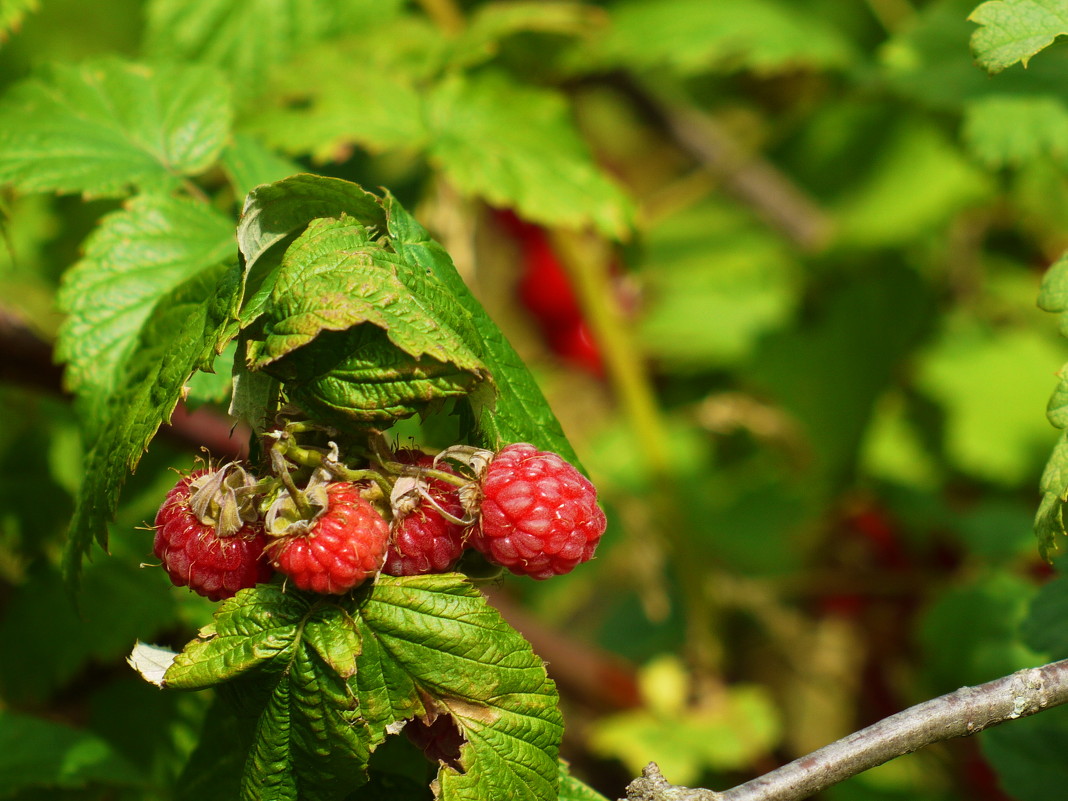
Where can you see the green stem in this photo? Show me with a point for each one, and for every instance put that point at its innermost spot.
(282, 471)
(588, 264)
(445, 13)
(306, 457)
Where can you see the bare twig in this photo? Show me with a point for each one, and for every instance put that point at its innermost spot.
(958, 714)
(750, 177)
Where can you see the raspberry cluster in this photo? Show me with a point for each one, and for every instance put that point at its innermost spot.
(403, 513)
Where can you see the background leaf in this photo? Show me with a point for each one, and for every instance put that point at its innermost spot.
(515, 146)
(1014, 30)
(102, 127)
(135, 256)
(217, 32)
(40, 754)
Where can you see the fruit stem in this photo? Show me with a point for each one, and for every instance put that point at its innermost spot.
(281, 469)
(399, 469)
(307, 457)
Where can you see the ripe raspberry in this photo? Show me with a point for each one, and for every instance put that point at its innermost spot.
(194, 554)
(539, 515)
(422, 540)
(338, 549)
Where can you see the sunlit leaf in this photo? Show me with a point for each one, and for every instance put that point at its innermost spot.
(105, 126)
(1014, 30)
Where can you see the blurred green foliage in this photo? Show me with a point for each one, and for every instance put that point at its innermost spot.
(806, 238)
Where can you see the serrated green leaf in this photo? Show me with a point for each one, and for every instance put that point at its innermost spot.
(275, 212)
(333, 278)
(11, 15)
(693, 36)
(212, 385)
(374, 102)
(1015, 30)
(520, 412)
(136, 256)
(515, 146)
(252, 628)
(248, 163)
(183, 333)
(365, 378)
(269, 771)
(255, 394)
(247, 39)
(340, 671)
(36, 753)
(1057, 408)
(101, 127)
(1006, 129)
(480, 671)
(1049, 520)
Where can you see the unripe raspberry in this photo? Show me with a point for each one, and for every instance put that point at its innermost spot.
(336, 550)
(199, 551)
(422, 538)
(538, 515)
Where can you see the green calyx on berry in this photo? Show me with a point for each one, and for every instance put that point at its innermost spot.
(224, 499)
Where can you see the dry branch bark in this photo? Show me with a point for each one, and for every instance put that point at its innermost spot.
(958, 714)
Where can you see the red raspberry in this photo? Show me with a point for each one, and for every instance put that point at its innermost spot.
(539, 515)
(422, 540)
(194, 555)
(339, 549)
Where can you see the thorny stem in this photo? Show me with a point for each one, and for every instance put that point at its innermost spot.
(961, 713)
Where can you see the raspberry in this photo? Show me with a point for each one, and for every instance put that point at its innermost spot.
(195, 555)
(422, 540)
(338, 549)
(538, 515)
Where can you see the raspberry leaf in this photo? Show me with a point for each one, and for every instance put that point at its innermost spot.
(101, 127)
(334, 674)
(515, 146)
(694, 36)
(279, 211)
(1015, 30)
(333, 277)
(247, 39)
(520, 413)
(184, 331)
(135, 257)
